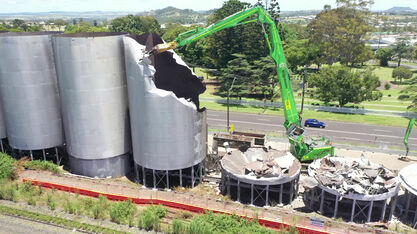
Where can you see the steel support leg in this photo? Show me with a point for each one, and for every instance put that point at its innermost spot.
(393, 204)
(31, 154)
(44, 155)
(407, 206)
(228, 186)
(238, 190)
(181, 177)
(371, 206)
(1, 144)
(384, 207)
(57, 156)
(251, 194)
(143, 176)
(291, 192)
(167, 175)
(280, 193)
(201, 172)
(321, 201)
(353, 210)
(192, 177)
(415, 218)
(136, 172)
(154, 178)
(336, 205)
(267, 196)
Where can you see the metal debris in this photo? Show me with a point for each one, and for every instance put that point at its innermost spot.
(268, 165)
(346, 175)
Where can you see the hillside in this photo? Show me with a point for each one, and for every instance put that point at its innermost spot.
(175, 15)
(401, 10)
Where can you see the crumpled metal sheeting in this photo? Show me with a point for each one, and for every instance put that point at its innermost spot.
(261, 163)
(168, 133)
(346, 175)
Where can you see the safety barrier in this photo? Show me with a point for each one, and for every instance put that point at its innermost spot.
(171, 204)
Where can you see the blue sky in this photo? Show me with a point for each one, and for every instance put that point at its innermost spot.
(9, 6)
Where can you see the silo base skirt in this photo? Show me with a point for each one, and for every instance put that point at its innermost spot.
(108, 167)
(186, 177)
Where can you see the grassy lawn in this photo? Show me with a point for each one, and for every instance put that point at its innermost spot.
(365, 119)
(202, 72)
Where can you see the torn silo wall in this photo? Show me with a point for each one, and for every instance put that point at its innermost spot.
(92, 82)
(168, 132)
(29, 92)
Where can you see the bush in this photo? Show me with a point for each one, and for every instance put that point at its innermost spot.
(387, 86)
(122, 211)
(42, 165)
(100, 207)
(150, 218)
(178, 226)
(7, 167)
(9, 191)
(50, 202)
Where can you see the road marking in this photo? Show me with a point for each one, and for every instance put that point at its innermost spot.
(213, 115)
(323, 130)
(264, 120)
(380, 130)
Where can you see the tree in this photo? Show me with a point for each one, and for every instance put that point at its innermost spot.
(136, 24)
(84, 27)
(401, 73)
(410, 94)
(401, 48)
(241, 69)
(300, 53)
(340, 32)
(339, 83)
(384, 54)
(247, 39)
(265, 79)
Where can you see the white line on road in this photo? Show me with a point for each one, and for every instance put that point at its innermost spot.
(213, 115)
(264, 120)
(380, 130)
(324, 130)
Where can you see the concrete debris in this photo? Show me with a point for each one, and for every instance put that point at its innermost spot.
(266, 165)
(358, 176)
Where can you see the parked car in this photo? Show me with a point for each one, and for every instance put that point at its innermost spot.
(314, 123)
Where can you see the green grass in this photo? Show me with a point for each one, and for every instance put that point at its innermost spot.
(70, 224)
(365, 119)
(43, 166)
(7, 167)
(202, 72)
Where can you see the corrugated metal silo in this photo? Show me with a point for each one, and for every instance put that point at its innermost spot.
(168, 131)
(3, 132)
(29, 92)
(92, 82)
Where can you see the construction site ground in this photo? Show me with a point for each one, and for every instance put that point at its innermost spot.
(207, 194)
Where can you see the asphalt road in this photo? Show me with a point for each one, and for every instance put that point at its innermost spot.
(353, 133)
(9, 224)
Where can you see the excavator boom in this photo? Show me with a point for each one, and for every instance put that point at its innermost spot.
(412, 122)
(299, 147)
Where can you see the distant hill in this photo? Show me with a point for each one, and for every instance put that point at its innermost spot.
(181, 16)
(401, 10)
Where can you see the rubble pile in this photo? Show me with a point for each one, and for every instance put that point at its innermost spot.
(347, 176)
(268, 163)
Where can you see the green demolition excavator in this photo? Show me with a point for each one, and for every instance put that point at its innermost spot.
(303, 149)
(412, 122)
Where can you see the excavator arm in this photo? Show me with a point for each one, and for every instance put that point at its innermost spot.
(412, 122)
(301, 149)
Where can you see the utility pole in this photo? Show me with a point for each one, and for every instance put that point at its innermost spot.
(228, 97)
(304, 88)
